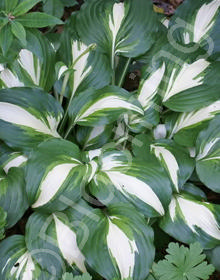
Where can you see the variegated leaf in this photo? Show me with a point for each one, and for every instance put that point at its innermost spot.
(120, 178)
(117, 21)
(55, 170)
(185, 127)
(101, 107)
(58, 232)
(208, 155)
(190, 220)
(175, 160)
(27, 117)
(93, 137)
(17, 262)
(13, 198)
(191, 83)
(120, 227)
(34, 65)
(197, 22)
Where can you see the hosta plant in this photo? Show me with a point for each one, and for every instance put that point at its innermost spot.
(91, 171)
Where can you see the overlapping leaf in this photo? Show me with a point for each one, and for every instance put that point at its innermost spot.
(208, 155)
(123, 28)
(189, 220)
(121, 178)
(197, 22)
(185, 127)
(54, 171)
(27, 117)
(101, 107)
(119, 244)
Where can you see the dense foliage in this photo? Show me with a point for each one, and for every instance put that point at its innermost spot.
(100, 170)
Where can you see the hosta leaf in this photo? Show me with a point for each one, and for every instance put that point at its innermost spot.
(16, 262)
(3, 216)
(55, 170)
(93, 137)
(88, 67)
(150, 86)
(38, 20)
(208, 156)
(214, 257)
(197, 22)
(119, 27)
(27, 117)
(195, 191)
(189, 220)
(183, 263)
(190, 82)
(104, 106)
(121, 178)
(54, 8)
(13, 198)
(69, 276)
(185, 127)
(34, 65)
(120, 227)
(175, 160)
(57, 232)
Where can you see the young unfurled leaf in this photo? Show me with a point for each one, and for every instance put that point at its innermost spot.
(183, 264)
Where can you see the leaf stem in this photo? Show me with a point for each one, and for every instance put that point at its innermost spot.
(120, 83)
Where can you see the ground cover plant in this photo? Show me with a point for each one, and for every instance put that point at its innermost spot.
(99, 180)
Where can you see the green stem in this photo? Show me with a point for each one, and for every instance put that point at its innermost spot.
(120, 83)
(68, 131)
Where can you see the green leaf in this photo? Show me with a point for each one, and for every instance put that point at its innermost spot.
(6, 38)
(24, 6)
(122, 227)
(3, 216)
(69, 276)
(55, 165)
(28, 116)
(104, 106)
(19, 32)
(208, 155)
(93, 137)
(54, 8)
(183, 264)
(69, 3)
(13, 198)
(10, 5)
(38, 20)
(191, 220)
(214, 257)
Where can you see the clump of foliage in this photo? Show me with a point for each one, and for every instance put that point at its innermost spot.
(100, 166)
